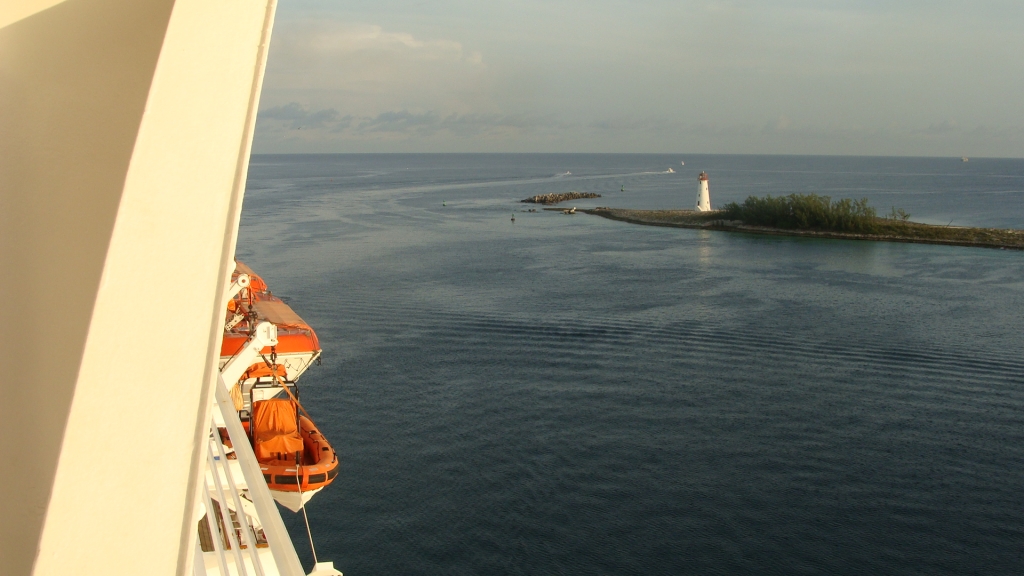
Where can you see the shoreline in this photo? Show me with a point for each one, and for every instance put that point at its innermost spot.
(706, 221)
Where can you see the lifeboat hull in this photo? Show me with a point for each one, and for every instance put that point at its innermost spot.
(292, 485)
(293, 501)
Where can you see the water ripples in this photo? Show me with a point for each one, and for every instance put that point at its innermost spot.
(584, 396)
(591, 338)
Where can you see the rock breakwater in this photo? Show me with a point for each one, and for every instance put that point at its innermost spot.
(555, 198)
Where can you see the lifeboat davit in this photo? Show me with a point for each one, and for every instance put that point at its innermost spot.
(298, 346)
(295, 458)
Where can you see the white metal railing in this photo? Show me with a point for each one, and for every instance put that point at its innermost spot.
(226, 488)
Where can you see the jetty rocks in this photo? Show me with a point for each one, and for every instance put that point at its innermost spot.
(554, 198)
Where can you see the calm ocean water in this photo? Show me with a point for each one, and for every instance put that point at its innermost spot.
(573, 395)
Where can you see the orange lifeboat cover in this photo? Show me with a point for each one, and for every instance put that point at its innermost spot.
(275, 429)
(261, 369)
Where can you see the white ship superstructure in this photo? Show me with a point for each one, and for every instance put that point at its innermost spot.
(125, 133)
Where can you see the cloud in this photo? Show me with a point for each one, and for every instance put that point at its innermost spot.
(296, 117)
(328, 124)
(944, 127)
(429, 123)
(780, 124)
(334, 39)
(697, 75)
(364, 69)
(401, 122)
(295, 128)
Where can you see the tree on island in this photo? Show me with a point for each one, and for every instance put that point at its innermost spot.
(805, 211)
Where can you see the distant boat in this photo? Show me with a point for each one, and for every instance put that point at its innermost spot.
(566, 173)
(964, 159)
(670, 171)
(569, 210)
(682, 163)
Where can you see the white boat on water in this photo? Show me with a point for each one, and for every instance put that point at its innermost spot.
(670, 171)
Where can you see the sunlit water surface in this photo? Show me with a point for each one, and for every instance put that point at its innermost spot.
(573, 395)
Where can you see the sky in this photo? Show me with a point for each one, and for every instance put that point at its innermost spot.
(867, 77)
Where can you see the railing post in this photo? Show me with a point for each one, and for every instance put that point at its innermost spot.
(250, 540)
(273, 526)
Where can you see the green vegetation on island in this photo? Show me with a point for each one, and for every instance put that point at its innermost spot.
(820, 217)
(805, 212)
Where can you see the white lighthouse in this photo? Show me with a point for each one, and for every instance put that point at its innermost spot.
(703, 198)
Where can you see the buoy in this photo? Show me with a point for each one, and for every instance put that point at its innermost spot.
(443, 203)
(623, 189)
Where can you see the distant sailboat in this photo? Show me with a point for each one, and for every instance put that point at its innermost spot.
(964, 159)
(681, 163)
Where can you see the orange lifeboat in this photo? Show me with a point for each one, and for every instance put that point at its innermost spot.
(297, 347)
(295, 458)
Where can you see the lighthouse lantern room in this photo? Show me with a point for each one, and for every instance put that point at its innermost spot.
(703, 198)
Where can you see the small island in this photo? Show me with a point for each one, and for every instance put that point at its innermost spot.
(818, 217)
(555, 198)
